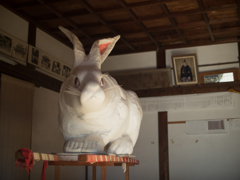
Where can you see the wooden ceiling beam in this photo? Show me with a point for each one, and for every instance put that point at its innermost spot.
(193, 24)
(173, 22)
(203, 43)
(26, 17)
(206, 20)
(238, 4)
(170, 38)
(104, 22)
(135, 18)
(56, 12)
(34, 4)
(117, 51)
(173, 38)
(139, 19)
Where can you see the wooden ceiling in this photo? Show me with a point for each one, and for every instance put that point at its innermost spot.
(144, 25)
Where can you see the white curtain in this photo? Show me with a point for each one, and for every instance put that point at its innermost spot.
(15, 124)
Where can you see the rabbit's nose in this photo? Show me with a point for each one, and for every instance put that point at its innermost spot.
(92, 86)
(92, 93)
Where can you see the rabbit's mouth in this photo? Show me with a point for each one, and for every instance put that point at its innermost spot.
(96, 98)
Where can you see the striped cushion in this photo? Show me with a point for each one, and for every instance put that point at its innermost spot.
(104, 158)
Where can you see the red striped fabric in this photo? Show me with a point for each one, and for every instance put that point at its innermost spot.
(103, 158)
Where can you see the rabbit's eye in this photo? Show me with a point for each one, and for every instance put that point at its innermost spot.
(77, 82)
(101, 82)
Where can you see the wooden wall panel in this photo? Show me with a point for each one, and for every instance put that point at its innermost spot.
(15, 124)
(145, 79)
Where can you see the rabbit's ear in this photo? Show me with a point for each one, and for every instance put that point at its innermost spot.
(102, 48)
(79, 51)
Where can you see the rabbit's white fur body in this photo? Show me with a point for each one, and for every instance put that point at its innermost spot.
(94, 116)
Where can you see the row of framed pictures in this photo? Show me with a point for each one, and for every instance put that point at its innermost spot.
(24, 52)
(185, 68)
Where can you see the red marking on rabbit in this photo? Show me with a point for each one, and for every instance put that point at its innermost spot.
(103, 47)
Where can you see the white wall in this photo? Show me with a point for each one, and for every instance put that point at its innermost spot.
(213, 156)
(146, 60)
(46, 136)
(13, 24)
(53, 47)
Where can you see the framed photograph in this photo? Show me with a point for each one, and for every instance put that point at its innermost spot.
(45, 62)
(34, 55)
(56, 68)
(66, 70)
(20, 50)
(219, 76)
(6, 43)
(185, 69)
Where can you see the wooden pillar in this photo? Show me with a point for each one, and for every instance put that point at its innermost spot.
(239, 55)
(161, 58)
(57, 172)
(163, 146)
(94, 176)
(86, 173)
(103, 172)
(32, 34)
(127, 173)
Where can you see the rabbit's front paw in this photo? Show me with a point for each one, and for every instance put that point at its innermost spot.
(92, 143)
(74, 145)
(122, 145)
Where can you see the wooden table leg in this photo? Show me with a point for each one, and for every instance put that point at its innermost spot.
(57, 172)
(127, 173)
(94, 172)
(103, 172)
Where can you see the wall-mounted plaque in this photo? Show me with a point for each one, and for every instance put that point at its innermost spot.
(144, 79)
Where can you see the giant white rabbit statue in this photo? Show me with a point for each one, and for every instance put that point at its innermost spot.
(95, 114)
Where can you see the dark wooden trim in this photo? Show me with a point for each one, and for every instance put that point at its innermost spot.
(86, 173)
(217, 64)
(29, 74)
(177, 122)
(163, 146)
(202, 88)
(239, 53)
(32, 30)
(161, 58)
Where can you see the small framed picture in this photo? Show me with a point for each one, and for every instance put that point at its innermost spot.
(219, 76)
(185, 69)
(34, 55)
(6, 43)
(66, 70)
(45, 62)
(56, 68)
(20, 50)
